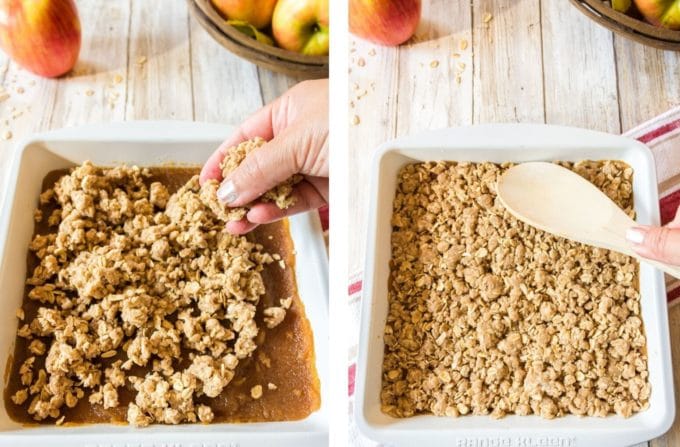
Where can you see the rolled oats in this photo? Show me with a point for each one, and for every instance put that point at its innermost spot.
(489, 316)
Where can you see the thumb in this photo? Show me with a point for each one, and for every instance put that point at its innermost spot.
(263, 169)
(658, 243)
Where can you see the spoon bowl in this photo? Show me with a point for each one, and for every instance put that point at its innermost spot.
(561, 202)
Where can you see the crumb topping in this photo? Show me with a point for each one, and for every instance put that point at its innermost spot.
(488, 315)
(131, 275)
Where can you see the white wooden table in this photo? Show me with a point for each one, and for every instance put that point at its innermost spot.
(484, 61)
(138, 61)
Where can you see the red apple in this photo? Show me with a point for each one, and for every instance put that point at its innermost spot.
(302, 26)
(43, 36)
(256, 12)
(664, 13)
(386, 22)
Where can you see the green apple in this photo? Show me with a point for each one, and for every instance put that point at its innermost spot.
(256, 12)
(621, 5)
(302, 26)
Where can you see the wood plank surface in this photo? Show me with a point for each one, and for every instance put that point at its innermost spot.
(95, 91)
(159, 62)
(649, 81)
(508, 80)
(435, 73)
(579, 70)
(225, 87)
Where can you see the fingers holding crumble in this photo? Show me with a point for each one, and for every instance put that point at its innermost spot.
(276, 163)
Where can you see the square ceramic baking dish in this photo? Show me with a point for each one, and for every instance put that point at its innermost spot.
(147, 144)
(514, 143)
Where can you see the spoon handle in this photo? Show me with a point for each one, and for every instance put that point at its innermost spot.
(615, 237)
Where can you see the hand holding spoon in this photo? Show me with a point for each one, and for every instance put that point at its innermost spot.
(561, 202)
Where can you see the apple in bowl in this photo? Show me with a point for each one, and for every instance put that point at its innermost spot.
(663, 13)
(258, 13)
(302, 26)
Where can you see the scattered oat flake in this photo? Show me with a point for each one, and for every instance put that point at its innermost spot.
(434, 64)
(487, 17)
(141, 60)
(456, 55)
(108, 354)
(20, 90)
(463, 44)
(461, 65)
(356, 120)
(361, 62)
(89, 92)
(256, 392)
(7, 135)
(60, 420)
(371, 52)
(271, 386)
(117, 79)
(459, 79)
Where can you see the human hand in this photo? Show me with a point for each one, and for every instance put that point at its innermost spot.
(295, 127)
(658, 243)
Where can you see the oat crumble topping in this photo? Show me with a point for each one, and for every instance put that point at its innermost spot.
(131, 275)
(488, 315)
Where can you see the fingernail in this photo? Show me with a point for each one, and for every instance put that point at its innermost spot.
(635, 235)
(226, 193)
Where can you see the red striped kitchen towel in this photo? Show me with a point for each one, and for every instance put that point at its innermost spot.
(661, 135)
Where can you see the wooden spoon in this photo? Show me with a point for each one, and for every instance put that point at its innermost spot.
(559, 201)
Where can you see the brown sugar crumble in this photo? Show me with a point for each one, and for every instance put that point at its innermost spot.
(131, 277)
(489, 316)
(281, 195)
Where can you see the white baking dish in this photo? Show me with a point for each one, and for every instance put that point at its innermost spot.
(515, 143)
(147, 144)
